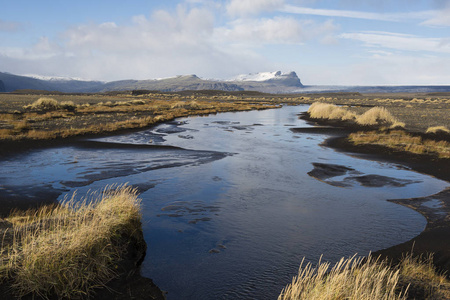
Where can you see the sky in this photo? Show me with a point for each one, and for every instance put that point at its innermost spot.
(326, 42)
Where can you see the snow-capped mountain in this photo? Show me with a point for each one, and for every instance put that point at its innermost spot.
(261, 76)
(286, 79)
(54, 78)
(269, 82)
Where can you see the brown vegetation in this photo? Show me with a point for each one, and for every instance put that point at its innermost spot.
(46, 118)
(367, 279)
(70, 249)
(402, 141)
(375, 116)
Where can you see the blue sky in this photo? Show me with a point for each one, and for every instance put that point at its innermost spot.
(340, 42)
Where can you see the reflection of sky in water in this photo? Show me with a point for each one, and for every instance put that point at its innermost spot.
(224, 227)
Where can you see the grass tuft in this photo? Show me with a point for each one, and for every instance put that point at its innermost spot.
(319, 110)
(352, 279)
(44, 103)
(438, 129)
(376, 116)
(70, 249)
(367, 279)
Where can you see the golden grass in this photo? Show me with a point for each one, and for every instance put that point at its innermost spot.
(352, 279)
(402, 141)
(424, 281)
(44, 103)
(368, 279)
(376, 116)
(70, 249)
(156, 111)
(437, 129)
(319, 110)
(398, 125)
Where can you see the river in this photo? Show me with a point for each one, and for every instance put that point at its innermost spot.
(229, 209)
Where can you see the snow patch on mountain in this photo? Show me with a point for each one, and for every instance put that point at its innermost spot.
(56, 78)
(261, 76)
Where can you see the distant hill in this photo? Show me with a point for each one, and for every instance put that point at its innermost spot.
(268, 82)
(265, 82)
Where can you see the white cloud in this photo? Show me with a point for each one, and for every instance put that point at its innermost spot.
(406, 69)
(161, 45)
(399, 41)
(252, 7)
(441, 18)
(393, 17)
(381, 69)
(278, 30)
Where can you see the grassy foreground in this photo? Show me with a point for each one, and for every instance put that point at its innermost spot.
(368, 279)
(70, 249)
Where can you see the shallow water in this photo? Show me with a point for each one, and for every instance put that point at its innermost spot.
(229, 210)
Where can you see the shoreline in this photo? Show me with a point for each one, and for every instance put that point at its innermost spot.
(435, 238)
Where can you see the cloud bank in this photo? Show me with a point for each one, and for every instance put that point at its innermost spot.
(221, 39)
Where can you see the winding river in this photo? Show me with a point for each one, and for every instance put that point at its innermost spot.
(229, 209)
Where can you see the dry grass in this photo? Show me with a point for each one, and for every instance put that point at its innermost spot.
(352, 279)
(368, 279)
(424, 281)
(402, 141)
(319, 110)
(438, 129)
(44, 103)
(134, 113)
(376, 116)
(72, 248)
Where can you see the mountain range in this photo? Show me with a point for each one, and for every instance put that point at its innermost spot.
(269, 82)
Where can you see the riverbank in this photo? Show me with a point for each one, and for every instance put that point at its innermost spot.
(73, 249)
(435, 208)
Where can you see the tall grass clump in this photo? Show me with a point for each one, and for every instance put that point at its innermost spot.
(319, 110)
(45, 103)
(376, 116)
(424, 281)
(352, 279)
(69, 249)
